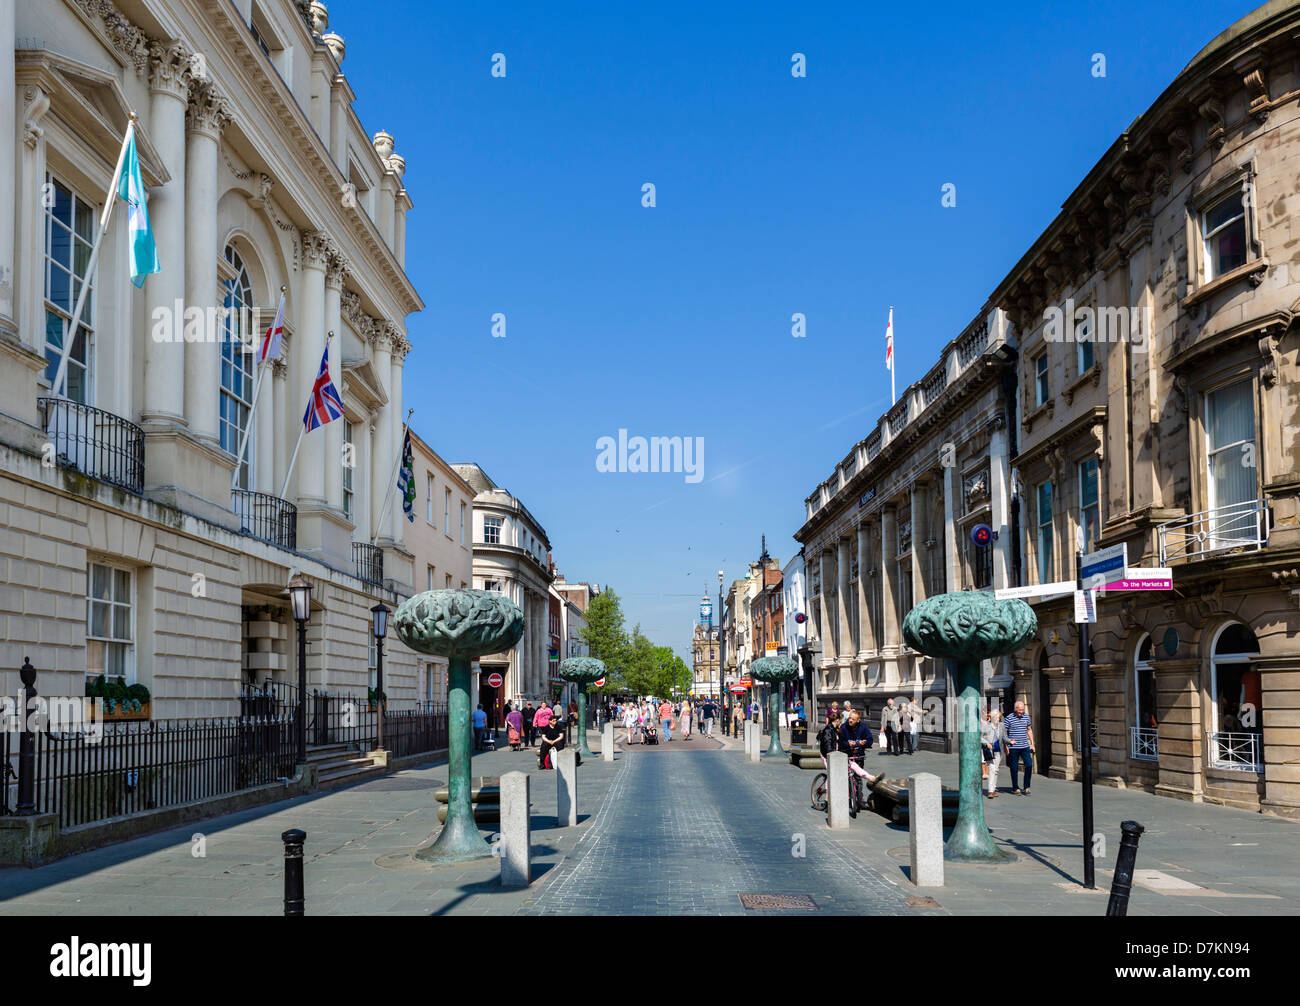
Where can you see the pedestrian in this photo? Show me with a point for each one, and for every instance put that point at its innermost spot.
(515, 729)
(855, 741)
(993, 741)
(529, 732)
(915, 739)
(552, 740)
(889, 727)
(834, 711)
(666, 717)
(737, 718)
(707, 716)
(905, 721)
(630, 721)
(686, 713)
(480, 727)
(1020, 747)
(542, 717)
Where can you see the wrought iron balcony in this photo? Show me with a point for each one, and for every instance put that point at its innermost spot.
(94, 442)
(1144, 743)
(1241, 526)
(266, 518)
(1236, 751)
(369, 560)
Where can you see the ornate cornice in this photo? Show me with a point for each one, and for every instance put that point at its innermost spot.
(336, 268)
(35, 104)
(317, 250)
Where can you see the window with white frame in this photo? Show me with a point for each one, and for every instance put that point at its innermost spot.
(462, 523)
(492, 585)
(449, 582)
(1230, 444)
(428, 497)
(1144, 688)
(1237, 700)
(492, 530)
(110, 623)
(1046, 563)
(349, 465)
(1089, 503)
(70, 227)
(446, 511)
(1042, 392)
(237, 354)
(1223, 233)
(430, 587)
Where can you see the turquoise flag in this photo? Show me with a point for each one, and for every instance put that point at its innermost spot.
(144, 253)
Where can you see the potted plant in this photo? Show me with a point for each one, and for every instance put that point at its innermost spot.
(123, 701)
(370, 694)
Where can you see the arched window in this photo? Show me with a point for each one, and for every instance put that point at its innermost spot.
(237, 365)
(1144, 742)
(1236, 700)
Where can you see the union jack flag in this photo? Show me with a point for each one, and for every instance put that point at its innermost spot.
(325, 405)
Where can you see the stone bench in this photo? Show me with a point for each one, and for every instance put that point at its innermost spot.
(482, 789)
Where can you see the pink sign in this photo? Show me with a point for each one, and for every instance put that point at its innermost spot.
(1150, 583)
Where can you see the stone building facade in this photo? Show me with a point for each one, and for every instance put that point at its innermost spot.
(1160, 400)
(892, 525)
(512, 557)
(704, 660)
(133, 546)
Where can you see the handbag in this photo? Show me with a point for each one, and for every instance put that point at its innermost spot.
(984, 770)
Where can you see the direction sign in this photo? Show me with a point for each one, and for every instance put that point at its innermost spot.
(1085, 607)
(495, 680)
(1104, 565)
(1144, 578)
(1035, 590)
(599, 682)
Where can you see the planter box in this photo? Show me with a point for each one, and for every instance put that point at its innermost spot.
(121, 716)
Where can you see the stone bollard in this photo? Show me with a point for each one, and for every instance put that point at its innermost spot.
(837, 782)
(607, 741)
(566, 788)
(516, 834)
(925, 829)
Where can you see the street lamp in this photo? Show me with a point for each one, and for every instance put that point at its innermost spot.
(722, 660)
(380, 614)
(300, 599)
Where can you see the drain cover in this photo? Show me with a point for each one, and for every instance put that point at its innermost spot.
(923, 903)
(778, 902)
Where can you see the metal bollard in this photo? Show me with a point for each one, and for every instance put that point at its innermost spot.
(293, 840)
(27, 743)
(1122, 883)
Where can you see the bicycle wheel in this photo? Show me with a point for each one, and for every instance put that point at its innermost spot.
(819, 794)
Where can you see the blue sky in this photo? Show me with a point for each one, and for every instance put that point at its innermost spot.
(775, 195)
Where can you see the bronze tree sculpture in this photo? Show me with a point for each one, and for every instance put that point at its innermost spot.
(969, 626)
(459, 625)
(582, 671)
(774, 672)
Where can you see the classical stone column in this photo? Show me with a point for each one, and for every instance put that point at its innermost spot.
(998, 478)
(381, 461)
(843, 643)
(1059, 733)
(866, 632)
(335, 271)
(1180, 728)
(164, 361)
(397, 362)
(889, 621)
(8, 153)
(264, 437)
(278, 407)
(385, 206)
(29, 269)
(920, 532)
(309, 336)
(206, 116)
(824, 609)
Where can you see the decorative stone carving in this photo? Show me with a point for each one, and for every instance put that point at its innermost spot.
(383, 144)
(975, 487)
(335, 44)
(127, 39)
(208, 111)
(264, 185)
(904, 536)
(318, 16)
(336, 268)
(35, 104)
(397, 164)
(969, 626)
(1257, 90)
(1211, 110)
(317, 250)
(459, 625)
(1180, 139)
(170, 68)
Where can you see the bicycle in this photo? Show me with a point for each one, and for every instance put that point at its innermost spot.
(821, 790)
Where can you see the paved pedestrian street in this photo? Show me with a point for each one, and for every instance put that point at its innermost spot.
(684, 828)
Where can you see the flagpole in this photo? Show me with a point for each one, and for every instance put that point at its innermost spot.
(70, 333)
(893, 357)
(252, 409)
(301, 430)
(392, 482)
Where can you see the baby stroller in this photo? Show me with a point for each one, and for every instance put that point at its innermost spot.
(649, 734)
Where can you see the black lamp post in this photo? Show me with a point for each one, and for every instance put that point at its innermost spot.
(380, 613)
(300, 599)
(725, 710)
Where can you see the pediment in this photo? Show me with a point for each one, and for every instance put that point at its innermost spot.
(361, 380)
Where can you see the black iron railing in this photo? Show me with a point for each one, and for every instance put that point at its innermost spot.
(97, 443)
(342, 719)
(265, 517)
(8, 773)
(369, 560)
(414, 731)
(268, 698)
(136, 767)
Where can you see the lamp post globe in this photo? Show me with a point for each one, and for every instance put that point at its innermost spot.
(300, 602)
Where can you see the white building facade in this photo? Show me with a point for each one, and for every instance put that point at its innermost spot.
(137, 548)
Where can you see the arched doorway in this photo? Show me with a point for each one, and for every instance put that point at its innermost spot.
(1144, 741)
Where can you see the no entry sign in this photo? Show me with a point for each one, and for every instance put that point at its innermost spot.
(495, 680)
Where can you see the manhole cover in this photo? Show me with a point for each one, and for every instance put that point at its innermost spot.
(922, 903)
(778, 902)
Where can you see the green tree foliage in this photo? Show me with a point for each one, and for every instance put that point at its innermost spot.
(605, 636)
(635, 664)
